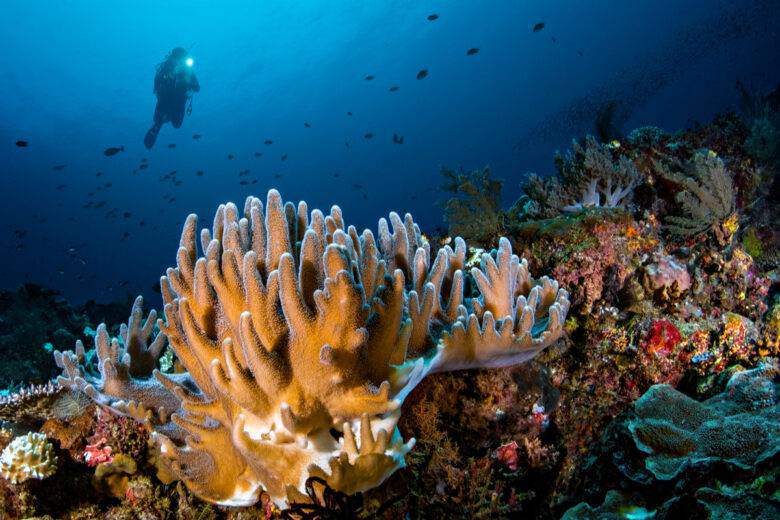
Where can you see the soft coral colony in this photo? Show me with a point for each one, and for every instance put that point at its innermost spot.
(298, 341)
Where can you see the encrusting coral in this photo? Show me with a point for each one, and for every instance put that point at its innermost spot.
(739, 427)
(28, 456)
(301, 339)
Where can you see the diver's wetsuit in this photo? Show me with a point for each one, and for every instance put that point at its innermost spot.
(173, 85)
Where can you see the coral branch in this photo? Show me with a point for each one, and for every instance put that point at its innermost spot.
(293, 326)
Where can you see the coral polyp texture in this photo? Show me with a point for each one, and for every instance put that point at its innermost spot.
(28, 456)
(300, 339)
(739, 427)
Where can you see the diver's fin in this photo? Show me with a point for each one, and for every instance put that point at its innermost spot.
(151, 136)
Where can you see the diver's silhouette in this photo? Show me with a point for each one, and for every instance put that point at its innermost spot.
(174, 84)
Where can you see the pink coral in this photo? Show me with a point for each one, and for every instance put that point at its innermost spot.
(665, 272)
(97, 453)
(509, 455)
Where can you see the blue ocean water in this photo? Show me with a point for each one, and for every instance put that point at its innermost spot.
(76, 78)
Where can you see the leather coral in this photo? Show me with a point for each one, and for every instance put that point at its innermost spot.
(300, 339)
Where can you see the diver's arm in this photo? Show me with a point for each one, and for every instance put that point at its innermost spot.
(194, 85)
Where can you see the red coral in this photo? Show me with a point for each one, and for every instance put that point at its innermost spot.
(97, 453)
(509, 455)
(662, 338)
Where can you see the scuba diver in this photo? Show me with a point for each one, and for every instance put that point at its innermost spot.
(174, 85)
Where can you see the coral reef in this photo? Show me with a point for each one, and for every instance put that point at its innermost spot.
(292, 344)
(711, 459)
(28, 456)
(291, 329)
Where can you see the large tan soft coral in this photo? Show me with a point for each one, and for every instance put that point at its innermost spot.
(301, 339)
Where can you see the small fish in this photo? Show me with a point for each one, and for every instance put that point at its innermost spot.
(538, 27)
(59, 167)
(21, 143)
(554, 39)
(284, 157)
(580, 54)
(196, 136)
(336, 175)
(99, 174)
(433, 17)
(127, 214)
(243, 173)
(614, 144)
(394, 88)
(422, 74)
(368, 135)
(254, 181)
(268, 142)
(244, 183)
(113, 150)
(307, 124)
(369, 77)
(349, 114)
(258, 154)
(171, 145)
(199, 173)
(144, 160)
(230, 157)
(277, 175)
(143, 166)
(472, 51)
(398, 139)
(346, 143)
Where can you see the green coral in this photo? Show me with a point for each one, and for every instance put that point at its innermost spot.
(616, 506)
(752, 244)
(740, 427)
